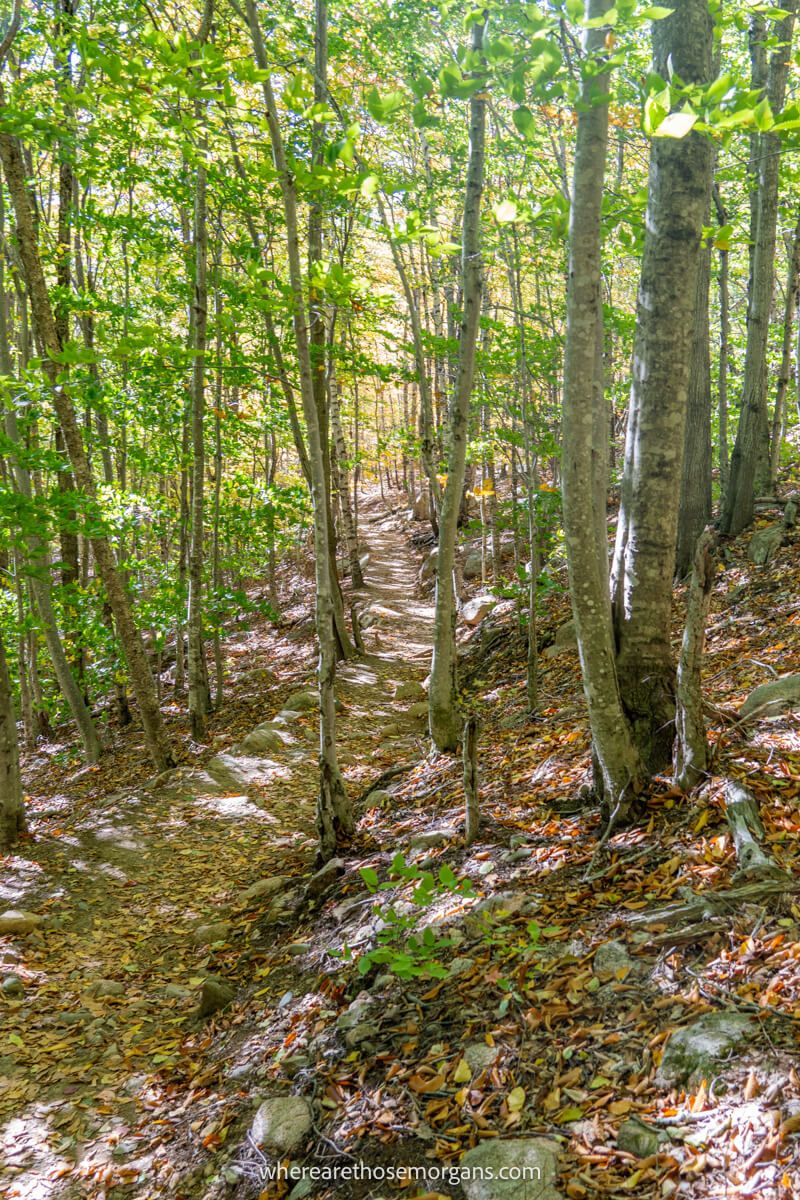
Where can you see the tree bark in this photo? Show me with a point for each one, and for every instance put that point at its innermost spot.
(644, 562)
(785, 372)
(12, 814)
(695, 502)
(750, 458)
(42, 312)
(445, 722)
(618, 772)
(691, 750)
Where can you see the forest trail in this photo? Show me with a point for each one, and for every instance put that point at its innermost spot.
(102, 1035)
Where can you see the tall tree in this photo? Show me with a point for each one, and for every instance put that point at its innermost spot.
(445, 721)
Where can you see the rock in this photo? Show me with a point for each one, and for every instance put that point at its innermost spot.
(772, 698)
(264, 887)
(19, 921)
(177, 991)
(493, 908)
(293, 1063)
(499, 1169)
(305, 701)
(12, 985)
(215, 994)
(205, 935)
(379, 799)
(765, 543)
(357, 1022)
(634, 1137)
(420, 508)
(790, 515)
(428, 569)
(702, 1048)
(460, 966)
(410, 690)
(419, 710)
(479, 1056)
(106, 987)
(264, 739)
(430, 838)
(282, 1124)
(612, 961)
(298, 949)
(322, 879)
(565, 639)
(473, 565)
(475, 610)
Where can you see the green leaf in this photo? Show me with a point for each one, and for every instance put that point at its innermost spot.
(656, 13)
(676, 125)
(370, 878)
(505, 213)
(524, 121)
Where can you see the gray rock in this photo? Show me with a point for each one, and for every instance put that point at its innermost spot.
(765, 543)
(479, 1056)
(790, 515)
(293, 1063)
(430, 838)
(264, 887)
(322, 879)
(358, 1022)
(498, 1158)
(476, 609)
(565, 639)
(634, 1137)
(205, 935)
(12, 985)
(282, 1124)
(428, 569)
(703, 1048)
(473, 565)
(19, 921)
(264, 739)
(420, 508)
(379, 799)
(177, 991)
(305, 701)
(612, 961)
(419, 710)
(493, 908)
(215, 994)
(772, 698)
(106, 987)
(410, 690)
(461, 966)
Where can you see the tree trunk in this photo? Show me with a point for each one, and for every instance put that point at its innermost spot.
(785, 373)
(340, 477)
(644, 562)
(618, 773)
(334, 815)
(12, 815)
(42, 312)
(695, 502)
(691, 751)
(750, 458)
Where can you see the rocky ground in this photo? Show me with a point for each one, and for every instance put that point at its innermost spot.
(186, 1002)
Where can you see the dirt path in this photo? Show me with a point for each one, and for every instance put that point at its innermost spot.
(98, 1019)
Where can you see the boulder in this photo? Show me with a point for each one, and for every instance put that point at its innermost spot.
(206, 935)
(379, 798)
(304, 701)
(565, 639)
(510, 1169)
(264, 887)
(429, 839)
(420, 507)
(702, 1049)
(12, 985)
(419, 710)
(19, 921)
(427, 571)
(612, 961)
(410, 690)
(282, 1124)
(765, 543)
(101, 988)
(322, 879)
(215, 994)
(264, 739)
(473, 564)
(790, 515)
(475, 610)
(772, 698)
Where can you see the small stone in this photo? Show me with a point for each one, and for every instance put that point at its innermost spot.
(476, 609)
(430, 838)
(634, 1137)
(215, 994)
(264, 887)
(305, 701)
(612, 961)
(410, 690)
(379, 799)
(177, 991)
(264, 739)
(479, 1056)
(703, 1048)
(12, 985)
(282, 1124)
(19, 921)
(106, 987)
(499, 1169)
(765, 543)
(419, 710)
(460, 966)
(206, 935)
(296, 949)
(494, 908)
(322, 879)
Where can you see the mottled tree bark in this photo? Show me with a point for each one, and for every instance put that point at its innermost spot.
(12, 815)
(695, 503)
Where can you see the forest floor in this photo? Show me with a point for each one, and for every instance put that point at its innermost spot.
(557, 1007)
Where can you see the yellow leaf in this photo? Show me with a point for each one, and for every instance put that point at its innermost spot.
(515, 1099)
(462, 1073)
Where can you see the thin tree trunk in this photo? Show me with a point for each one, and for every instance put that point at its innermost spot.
(12, 814)
(691, 750)
(784, 375)
(695, 502)
(445, 725)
